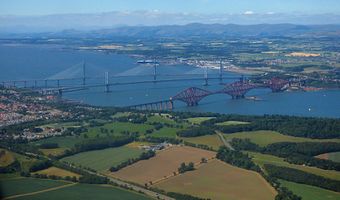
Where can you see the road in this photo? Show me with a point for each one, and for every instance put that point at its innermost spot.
(224, 141)
(138, 188)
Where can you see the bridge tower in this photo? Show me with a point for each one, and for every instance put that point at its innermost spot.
(221, 72)
(84, 73)
(154, 70)
(206, 76)
(107, 82)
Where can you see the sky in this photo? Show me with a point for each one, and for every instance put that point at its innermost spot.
(47, 7)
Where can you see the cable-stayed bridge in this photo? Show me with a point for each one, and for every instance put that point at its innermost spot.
(78, 78)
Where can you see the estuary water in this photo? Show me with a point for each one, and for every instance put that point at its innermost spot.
(19, 62)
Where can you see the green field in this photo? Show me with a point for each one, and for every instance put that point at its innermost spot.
(198, 120)
(165, 132)
(209, 140)
(262, 159)
(26, 185)
(63, 142)
(102, 160)
(229, 123)
(117, 128)
(85, 191)
(334, 156)
(263, 138)
(160, 119)
(308, 192)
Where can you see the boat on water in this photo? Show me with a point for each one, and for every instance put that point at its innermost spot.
(254, 98)
(146, 62)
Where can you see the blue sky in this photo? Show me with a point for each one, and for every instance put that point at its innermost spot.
(43, 7)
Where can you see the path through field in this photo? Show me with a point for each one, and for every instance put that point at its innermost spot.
(225, 142)
(41, 191)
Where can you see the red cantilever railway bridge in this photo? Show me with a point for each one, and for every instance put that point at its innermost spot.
(193, 95)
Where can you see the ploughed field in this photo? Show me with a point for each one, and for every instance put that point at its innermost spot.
(219, 181)
(164, 164)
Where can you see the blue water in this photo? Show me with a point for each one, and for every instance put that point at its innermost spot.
(37, 62)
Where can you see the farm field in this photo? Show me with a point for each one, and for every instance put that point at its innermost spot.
(263, 138)
(117, 128)
(334, 156)
(25, 162)
(219, 181)
(165, 163)
(230, 123)
(63, 142)
(54, 152)
(102, 160)
(57, 172)
(86, 191)
(209, 140)
(165, 132)
(308, 192)
(21, 185)
(198, 120)
(6, 158)
(161, 119)
(262, 159)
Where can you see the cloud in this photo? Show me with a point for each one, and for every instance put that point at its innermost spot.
(249, 12)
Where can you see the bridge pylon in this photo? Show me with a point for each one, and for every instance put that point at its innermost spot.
(107, 82)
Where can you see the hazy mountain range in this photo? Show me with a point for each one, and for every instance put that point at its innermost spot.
(190, 30)
(108, 20)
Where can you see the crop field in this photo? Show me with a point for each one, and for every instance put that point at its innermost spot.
(21, 185)
(219, 181)
(308, 192)
(263, 138)
(102, 160)
(209, 140)
(262, 159)
(165, 163)
(54, 152)
(6, 158)
(230, 123)
(57, 172)
(198, 120)
(334, 156)
(86, 191)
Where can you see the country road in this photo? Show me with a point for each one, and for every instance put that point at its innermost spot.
(138, 188)
(224, 141)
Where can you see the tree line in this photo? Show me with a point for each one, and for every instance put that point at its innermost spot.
(302, 177)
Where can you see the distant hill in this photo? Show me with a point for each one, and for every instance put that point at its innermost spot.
(198, 30)
(206, 30)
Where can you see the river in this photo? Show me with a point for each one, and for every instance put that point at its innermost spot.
(18, 62)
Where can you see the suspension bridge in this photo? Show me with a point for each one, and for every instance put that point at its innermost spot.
(58, 85)
(77, 79)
